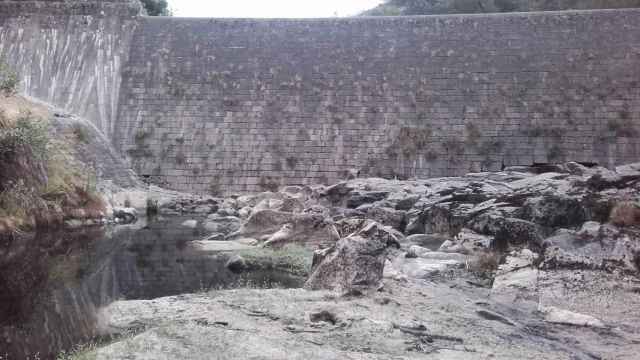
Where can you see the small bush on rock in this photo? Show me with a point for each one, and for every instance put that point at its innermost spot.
(485, 263)
(26, 132)
(291, 258)
(625, 213)
(16, 201)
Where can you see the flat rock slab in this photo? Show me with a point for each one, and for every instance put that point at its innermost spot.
(566, 317)
(421, 268)
(219, 246)
(279, 324)
(525, 280)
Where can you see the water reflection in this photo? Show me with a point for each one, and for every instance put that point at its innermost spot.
(52, 284)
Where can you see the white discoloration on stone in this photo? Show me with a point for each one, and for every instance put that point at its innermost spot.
(566, 317)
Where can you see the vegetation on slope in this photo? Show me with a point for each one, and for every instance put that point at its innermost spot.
(427, 7)
(40, 182)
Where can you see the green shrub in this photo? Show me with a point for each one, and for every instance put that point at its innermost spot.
(291, 258)
(26, 132)
(9, 81)
(152, 207)
(16, 200)
(625, 213)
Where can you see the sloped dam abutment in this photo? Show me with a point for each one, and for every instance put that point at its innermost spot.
(235, 105)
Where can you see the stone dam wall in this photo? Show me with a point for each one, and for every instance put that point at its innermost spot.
(230, 105)
(69, 53)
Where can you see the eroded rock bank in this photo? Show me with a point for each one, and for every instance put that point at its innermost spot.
(532, 263)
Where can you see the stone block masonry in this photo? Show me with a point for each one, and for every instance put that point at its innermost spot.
(70, 53)
(227, 105)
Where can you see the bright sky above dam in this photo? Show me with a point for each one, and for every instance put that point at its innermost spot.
(270, 8)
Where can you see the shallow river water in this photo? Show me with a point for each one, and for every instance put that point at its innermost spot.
(53, 284)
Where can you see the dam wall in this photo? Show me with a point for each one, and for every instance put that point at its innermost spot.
(70, 53)
(241, 105)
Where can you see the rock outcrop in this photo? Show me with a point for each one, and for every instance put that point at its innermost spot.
(355, 264)
(520, 254)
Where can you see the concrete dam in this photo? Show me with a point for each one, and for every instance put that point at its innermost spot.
(222, 106)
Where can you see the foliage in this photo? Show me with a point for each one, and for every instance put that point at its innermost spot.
(16, 201)
(88, 351)
(8, 80)
(26, 132)
(64, 188)
(427, 7)
(152, 207)
(484, 263)
(5, 122)
(625, 213)
(291, 258)
(157, 7)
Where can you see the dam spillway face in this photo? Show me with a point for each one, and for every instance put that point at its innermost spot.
(238, 105)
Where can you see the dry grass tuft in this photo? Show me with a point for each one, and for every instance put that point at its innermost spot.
(484, 263)
(5, 121)
(625, 213)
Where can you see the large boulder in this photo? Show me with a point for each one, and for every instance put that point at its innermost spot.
(222, 224)
(422, 263)
(430, 241)
(555, 315)
(387, 216)
(508, 231)
(336, 194)
(355, 263)
(442, 218)
(554, 211)
(309, 229)
(516, 280)
(125, 215)
(467, 241)
(594, 246)
(356, 199)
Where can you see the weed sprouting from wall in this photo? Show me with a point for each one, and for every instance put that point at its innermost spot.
(431, 155)
(181, 158)
(490, 147)
(540, 131)
(453, 147)
(622, 127)
(269, 183)
(409, 142)
(215, 187)
(292, 161)
(141, 135)
(472, 134)
(139, 153)
(555, 153)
